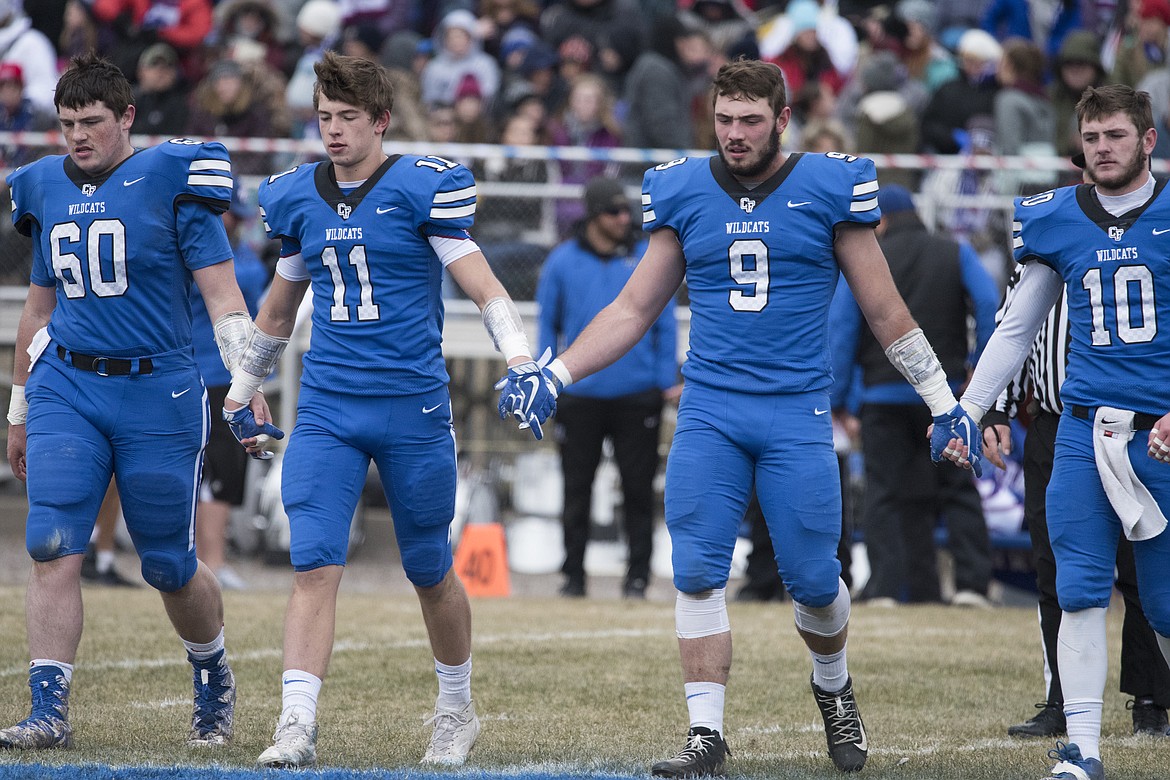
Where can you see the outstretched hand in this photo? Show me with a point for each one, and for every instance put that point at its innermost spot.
(529, 394)
(249, 433)
(956, 437)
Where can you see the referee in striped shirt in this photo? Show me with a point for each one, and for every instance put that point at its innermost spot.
(1034, 395)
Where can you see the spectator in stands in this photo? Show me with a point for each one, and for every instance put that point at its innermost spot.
(1023, 112)
(578, 29)
(1143, 48)
(458, 54)
(805, 59)
(970, 94)
(952, 17)
(509, 219)
(885, 122)
(1077, 67)
(661, 85)
(834, 33)
(540, 76)
(944, 284)
(361, 40)
(225, 462)
(17, 113)
(441, 124)
(79, 31)
(257, 21)
(927, 62)
(136, 24)
(622, 402)
(162, 95)
(27, 47)
(501, 19)
(825, 136)
(318, 24)
(241, 100)
(726, 22)
(472, 125)
(587, 120)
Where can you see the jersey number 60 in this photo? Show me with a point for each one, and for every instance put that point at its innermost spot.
(68, 267)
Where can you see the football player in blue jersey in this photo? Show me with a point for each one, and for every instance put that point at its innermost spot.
(370, 235)
(106, 381)
(1105, 244)
(760, 237)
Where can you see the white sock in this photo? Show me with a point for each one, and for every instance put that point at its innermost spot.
(1083, 661)
(298, 695)
(830, 672)
(66, 669)
(454, 685)
(203, 652)
(105, 560)
(705, 704)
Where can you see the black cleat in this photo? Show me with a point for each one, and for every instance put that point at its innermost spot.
(634, 589)
(573, 588)
(1047, 723)
(844, 731)
(702, 756)
(1148, 717)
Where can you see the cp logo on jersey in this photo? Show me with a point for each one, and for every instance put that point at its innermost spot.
(344, 210)
(1116, 233)
(747, 204)
(88, 189)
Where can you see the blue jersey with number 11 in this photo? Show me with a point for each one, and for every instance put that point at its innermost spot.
(760, 265)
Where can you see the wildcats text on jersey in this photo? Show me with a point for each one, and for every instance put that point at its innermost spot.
(1117, 253)
(98, 207)
(738, 228)
(343, 234)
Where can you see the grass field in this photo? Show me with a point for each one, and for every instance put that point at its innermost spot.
(564, 688)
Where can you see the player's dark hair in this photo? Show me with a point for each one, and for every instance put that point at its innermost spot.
(751, 79)
(354, 80)
(1100, 102)
(93, 79)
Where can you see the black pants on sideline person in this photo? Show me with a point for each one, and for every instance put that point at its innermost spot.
(632, 422)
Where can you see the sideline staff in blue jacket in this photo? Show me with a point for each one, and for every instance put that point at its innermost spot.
(624, 401)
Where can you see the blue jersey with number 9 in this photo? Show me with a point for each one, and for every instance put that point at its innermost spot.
(760, 266)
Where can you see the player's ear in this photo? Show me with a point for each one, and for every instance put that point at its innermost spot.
(782, 120)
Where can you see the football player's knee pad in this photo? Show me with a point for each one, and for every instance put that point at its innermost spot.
(829, 620)
(46, 539)
(167, 572)
(426, 563)
(154, 488)
(815, 583)
(74, 473)
(701, 614)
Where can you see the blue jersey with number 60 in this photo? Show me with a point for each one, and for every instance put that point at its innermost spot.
(760, 266)
(376, 280)
(1117, 273)
(120, 248)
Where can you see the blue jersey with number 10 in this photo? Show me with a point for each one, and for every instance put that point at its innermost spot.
(120, 248)
(760, 265)
(1117, 273)
(376, 280)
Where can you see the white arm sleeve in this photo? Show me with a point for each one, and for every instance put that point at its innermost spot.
(451, 249)
(1038, 290)
(293, 268)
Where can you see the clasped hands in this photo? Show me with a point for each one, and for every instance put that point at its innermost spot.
(529, 394)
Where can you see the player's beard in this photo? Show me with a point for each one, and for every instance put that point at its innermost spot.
(752, 169)
(1126, 175)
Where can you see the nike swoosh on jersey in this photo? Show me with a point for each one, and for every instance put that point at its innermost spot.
(425, 410)
(819, 412)
(792, 205)
(132, 181)
(176, 395)
(385, 211)
(1157, 232)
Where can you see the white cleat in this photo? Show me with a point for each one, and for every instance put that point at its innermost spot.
(294, 746)
(455, 733)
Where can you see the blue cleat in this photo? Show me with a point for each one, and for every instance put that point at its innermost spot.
(215, 701)
(48, 724)
(1071, 766)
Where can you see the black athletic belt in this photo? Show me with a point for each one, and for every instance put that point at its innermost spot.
(1141, 422)
(106, 366)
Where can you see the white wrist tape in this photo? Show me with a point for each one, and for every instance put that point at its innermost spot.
(232, 331)
(560, 372)
(503, 323)
(913, 357)
(17, 406)
(244, 386)
(255, 364)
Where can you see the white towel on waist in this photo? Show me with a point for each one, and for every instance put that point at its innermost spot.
(1141, 518)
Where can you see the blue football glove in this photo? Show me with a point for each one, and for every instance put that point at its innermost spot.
(957, 424)
(243, 425)
(529, 393)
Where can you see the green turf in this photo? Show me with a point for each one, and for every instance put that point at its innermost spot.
(573, 687)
